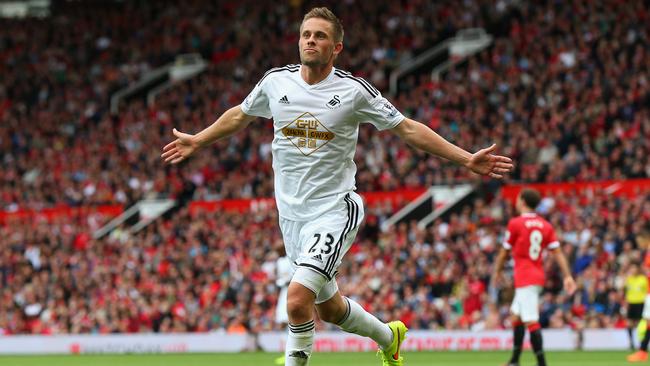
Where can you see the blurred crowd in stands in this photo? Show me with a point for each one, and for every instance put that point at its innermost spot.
(564, 90)
(212, 271)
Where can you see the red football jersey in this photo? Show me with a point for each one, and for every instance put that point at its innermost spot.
(527, 236)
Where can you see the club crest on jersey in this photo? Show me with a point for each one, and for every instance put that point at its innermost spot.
(307, 133)
(334, 103)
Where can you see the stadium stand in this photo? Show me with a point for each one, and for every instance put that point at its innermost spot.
(565, 91)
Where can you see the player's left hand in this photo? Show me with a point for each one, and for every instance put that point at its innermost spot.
(570, 285)
(179, 149)
(485, 163)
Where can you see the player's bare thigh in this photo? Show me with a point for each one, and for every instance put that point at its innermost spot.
(300, 300)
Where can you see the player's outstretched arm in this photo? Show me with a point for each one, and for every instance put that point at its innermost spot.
(483, 162)
(569, 283)
(233, 120)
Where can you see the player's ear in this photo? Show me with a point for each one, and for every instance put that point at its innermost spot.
(338, 47)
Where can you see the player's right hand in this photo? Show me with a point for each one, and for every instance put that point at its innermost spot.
(570, 285)
(179, 149)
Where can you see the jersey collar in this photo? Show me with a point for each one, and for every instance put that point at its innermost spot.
(324, 81)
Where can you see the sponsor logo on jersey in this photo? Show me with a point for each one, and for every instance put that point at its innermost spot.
(307, 133)
(284, 100)
(334, 103)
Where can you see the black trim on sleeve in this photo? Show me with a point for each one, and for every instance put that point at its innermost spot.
(369, 88)
(290, 68)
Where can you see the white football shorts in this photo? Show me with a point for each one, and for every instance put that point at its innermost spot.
(316, 247)
(526, 303)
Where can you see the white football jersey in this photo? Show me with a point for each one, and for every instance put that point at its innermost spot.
(315, 134)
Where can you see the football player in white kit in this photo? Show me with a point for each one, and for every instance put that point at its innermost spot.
(316, 111)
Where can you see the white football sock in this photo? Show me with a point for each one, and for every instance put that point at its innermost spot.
(300, 340)
(361, 322)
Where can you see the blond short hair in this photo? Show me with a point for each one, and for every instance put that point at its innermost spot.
(325, 13)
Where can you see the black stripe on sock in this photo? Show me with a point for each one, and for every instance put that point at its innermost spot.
(348, 310)
(302, 328)
(302, 331)
(303, 325)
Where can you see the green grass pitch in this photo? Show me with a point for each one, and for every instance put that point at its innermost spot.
(319, 359)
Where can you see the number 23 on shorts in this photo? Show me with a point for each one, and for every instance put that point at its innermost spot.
(323, 243)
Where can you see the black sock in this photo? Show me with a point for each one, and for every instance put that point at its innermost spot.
(536, 342)
(629, 334)
(646, 339)
(518, 341)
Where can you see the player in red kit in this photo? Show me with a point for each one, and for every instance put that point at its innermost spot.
(527, 237)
